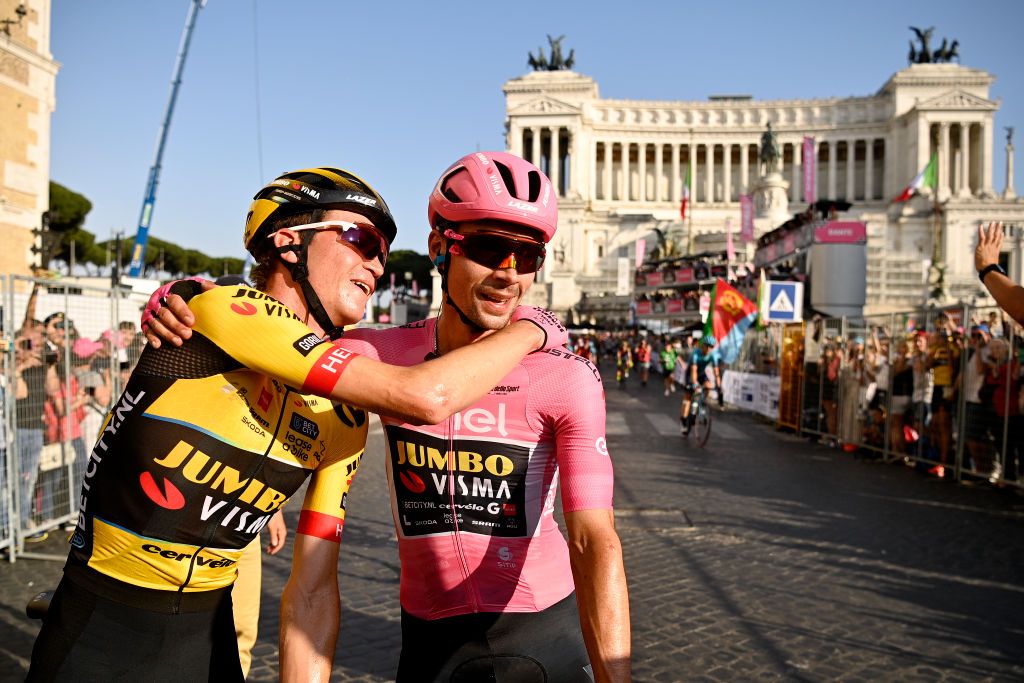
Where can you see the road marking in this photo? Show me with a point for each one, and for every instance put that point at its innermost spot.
(666, 425)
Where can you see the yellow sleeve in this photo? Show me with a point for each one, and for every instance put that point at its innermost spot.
(262, 334)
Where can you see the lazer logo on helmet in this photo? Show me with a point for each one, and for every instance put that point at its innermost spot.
(362, 199)
(523, 206)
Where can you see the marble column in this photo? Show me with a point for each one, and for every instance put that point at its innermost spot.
(745, 168)
(709, 173)
(641, 172)
(593, 170)
(554, 165)
(869, 169)
(965, 160)
(608, 161)
(851, 170)
(986, 160)
(536, 146)
(833, 163)
(515, 140)
(659, 169)
(675, 193)
(727, 172)
(796, 183)
(944, 165)
(625, 173)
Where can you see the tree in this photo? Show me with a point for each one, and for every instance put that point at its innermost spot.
(63, 224)
(402, 261)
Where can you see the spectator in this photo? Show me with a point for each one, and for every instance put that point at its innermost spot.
(643, 360)
(1008, 294)
(924, 388)
(623, 363)
(944, 362)
(668, 364)
(831, 363)
(902, 392)
(977, 399)
(1004, 374)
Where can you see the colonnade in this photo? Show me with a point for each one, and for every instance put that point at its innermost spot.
(627, 171)
(961, 150)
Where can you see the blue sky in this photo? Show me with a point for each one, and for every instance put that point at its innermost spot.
(396, 91)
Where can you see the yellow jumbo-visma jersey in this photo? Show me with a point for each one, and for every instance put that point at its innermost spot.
(208, 441)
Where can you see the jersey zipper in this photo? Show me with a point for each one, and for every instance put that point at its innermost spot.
(214, 523)
(460, 551)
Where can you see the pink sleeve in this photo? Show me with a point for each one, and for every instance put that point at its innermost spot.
(357, 341)
(585, 469)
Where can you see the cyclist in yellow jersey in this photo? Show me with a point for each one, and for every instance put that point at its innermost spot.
(207, 442)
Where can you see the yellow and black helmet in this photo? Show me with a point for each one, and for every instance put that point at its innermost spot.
(311, 189)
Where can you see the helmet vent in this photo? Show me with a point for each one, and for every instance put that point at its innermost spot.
(449, 193)
(534, 186)
(506, 177)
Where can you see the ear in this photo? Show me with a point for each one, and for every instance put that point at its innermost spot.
(287, 238)
(436, 249)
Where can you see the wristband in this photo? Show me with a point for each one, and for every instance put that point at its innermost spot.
(988, 269)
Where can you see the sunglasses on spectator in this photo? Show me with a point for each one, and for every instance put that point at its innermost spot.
(364, 239)
(498, 252)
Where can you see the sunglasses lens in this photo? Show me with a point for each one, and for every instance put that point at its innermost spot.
(499, 252)
(366, 242)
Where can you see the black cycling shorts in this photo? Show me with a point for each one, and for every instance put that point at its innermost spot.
(87, 637)
(504, 647)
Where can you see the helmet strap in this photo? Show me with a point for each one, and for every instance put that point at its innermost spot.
(444, 287)
(299, 272)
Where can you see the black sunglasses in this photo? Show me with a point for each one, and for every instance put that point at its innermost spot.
(498, 252)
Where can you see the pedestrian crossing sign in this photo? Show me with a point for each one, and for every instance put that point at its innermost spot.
(783, 302)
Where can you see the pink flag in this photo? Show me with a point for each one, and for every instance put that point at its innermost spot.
(641, 251)
(810, 161)
(746, 218)
(730, 251)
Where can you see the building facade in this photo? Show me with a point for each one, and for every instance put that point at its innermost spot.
(28, 76)
(620, 167)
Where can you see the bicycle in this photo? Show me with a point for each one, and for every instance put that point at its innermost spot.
(700, 417)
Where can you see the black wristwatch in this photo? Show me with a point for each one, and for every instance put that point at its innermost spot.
(988, 269)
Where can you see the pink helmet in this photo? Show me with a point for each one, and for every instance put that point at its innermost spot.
(495, 186)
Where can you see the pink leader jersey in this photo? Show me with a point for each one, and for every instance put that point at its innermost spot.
(476, 531)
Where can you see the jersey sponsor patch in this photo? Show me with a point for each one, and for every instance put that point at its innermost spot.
(486, 478)
(327, 370)
(306, 344)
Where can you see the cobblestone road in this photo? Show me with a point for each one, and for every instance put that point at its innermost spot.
(762, 557)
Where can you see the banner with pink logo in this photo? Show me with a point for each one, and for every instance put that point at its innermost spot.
(810, 162)
(641, 251)
(746, 218)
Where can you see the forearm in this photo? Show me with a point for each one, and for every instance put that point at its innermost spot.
(430, 392)
(1008, 294)
(309, 631)
(603, 601)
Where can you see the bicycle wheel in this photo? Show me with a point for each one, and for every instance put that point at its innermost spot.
(702, 424)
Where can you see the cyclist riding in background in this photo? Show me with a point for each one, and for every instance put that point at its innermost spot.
(489, 586)
(208, 441)
(701, 358)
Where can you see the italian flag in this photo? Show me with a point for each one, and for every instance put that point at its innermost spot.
(686, 194)
(926, 178)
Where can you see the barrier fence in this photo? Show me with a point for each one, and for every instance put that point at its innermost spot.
(938, 388)
(67, 351)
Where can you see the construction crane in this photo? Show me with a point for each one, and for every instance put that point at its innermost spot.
(146, 216)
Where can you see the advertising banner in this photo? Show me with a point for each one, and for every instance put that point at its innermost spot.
(810, 172)
(841, 232)
(746, 218)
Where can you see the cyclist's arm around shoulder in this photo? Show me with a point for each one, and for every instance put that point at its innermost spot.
(430, 392)
(310, 611)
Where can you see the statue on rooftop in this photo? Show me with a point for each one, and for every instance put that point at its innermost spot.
(557, 61)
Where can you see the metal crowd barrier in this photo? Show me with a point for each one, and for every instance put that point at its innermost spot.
(67, 352)
(926, 387)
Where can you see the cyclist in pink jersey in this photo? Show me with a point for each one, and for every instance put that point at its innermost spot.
(485, 570)
(473, 497)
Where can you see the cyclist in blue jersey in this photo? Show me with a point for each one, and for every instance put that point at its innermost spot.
(702, 358)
